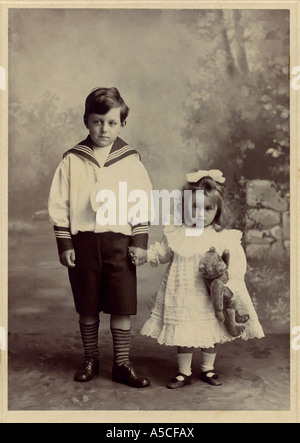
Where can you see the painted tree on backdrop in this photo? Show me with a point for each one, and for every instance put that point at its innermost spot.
(38, 134)
(238, 113)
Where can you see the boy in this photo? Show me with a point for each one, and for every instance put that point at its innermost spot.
(101, 258)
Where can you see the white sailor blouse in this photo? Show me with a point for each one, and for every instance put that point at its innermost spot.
(73, 204)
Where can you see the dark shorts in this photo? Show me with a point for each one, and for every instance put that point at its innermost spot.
(104, 279)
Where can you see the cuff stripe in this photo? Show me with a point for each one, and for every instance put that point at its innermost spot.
(62, 235)
(140, 229)
(62, 232)
(63, 238)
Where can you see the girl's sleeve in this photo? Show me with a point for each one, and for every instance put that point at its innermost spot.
(237, 261)
(159, 252)
(237, 270)
(58, 206)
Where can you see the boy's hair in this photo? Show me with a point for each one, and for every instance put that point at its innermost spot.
(101, 100)
(214, 191)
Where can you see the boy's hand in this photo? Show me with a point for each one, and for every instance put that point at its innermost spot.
(138, 256)
(67, 258)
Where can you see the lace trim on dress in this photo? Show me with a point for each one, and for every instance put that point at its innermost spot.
(172, 335)
(189, 245)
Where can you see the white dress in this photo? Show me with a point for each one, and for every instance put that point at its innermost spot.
(183, 313)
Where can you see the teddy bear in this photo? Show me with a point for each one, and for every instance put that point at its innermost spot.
(214, 269)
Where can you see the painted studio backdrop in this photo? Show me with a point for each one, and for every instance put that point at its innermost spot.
(206, 89)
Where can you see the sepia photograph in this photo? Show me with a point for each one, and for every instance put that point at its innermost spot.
(151, 180)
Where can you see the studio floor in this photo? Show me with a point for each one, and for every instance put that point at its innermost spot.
(45, 349)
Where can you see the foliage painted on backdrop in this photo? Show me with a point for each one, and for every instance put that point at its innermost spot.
(237, 110)
(239, 113)
(42, 128)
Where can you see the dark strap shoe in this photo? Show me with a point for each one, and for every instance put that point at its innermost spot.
(127, 375)
(211, 378)
(179, 381)
(89, 368)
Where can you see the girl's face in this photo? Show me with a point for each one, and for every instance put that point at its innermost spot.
(204, 215)
(210, 211)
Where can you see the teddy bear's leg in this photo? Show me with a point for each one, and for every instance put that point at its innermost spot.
(229, 302)
(230, 324)
(216, 293)
(228, 298)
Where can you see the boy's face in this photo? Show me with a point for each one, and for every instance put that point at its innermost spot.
(104, 129)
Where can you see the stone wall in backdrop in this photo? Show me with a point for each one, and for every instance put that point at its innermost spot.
(267, 245)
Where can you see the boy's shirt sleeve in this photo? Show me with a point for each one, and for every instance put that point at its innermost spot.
(58, 206)
(140, 220)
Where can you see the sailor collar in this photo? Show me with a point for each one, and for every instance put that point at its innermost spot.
(119, 150)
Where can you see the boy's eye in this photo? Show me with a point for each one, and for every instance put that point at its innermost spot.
(111, 123)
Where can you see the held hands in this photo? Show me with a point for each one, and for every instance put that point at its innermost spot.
(138, 256)
(67, 258)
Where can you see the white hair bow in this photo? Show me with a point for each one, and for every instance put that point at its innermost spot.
(215, 174)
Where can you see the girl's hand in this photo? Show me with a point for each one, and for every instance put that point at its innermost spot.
(138, 256)
(67, 258)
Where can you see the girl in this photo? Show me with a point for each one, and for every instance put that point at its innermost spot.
(183, 313)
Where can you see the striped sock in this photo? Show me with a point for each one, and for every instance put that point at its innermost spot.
(89, 335)
(121, 342)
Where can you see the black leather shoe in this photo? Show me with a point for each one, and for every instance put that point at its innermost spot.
(179, 381)
(89, 368)
(127, 375)
(211, 378)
